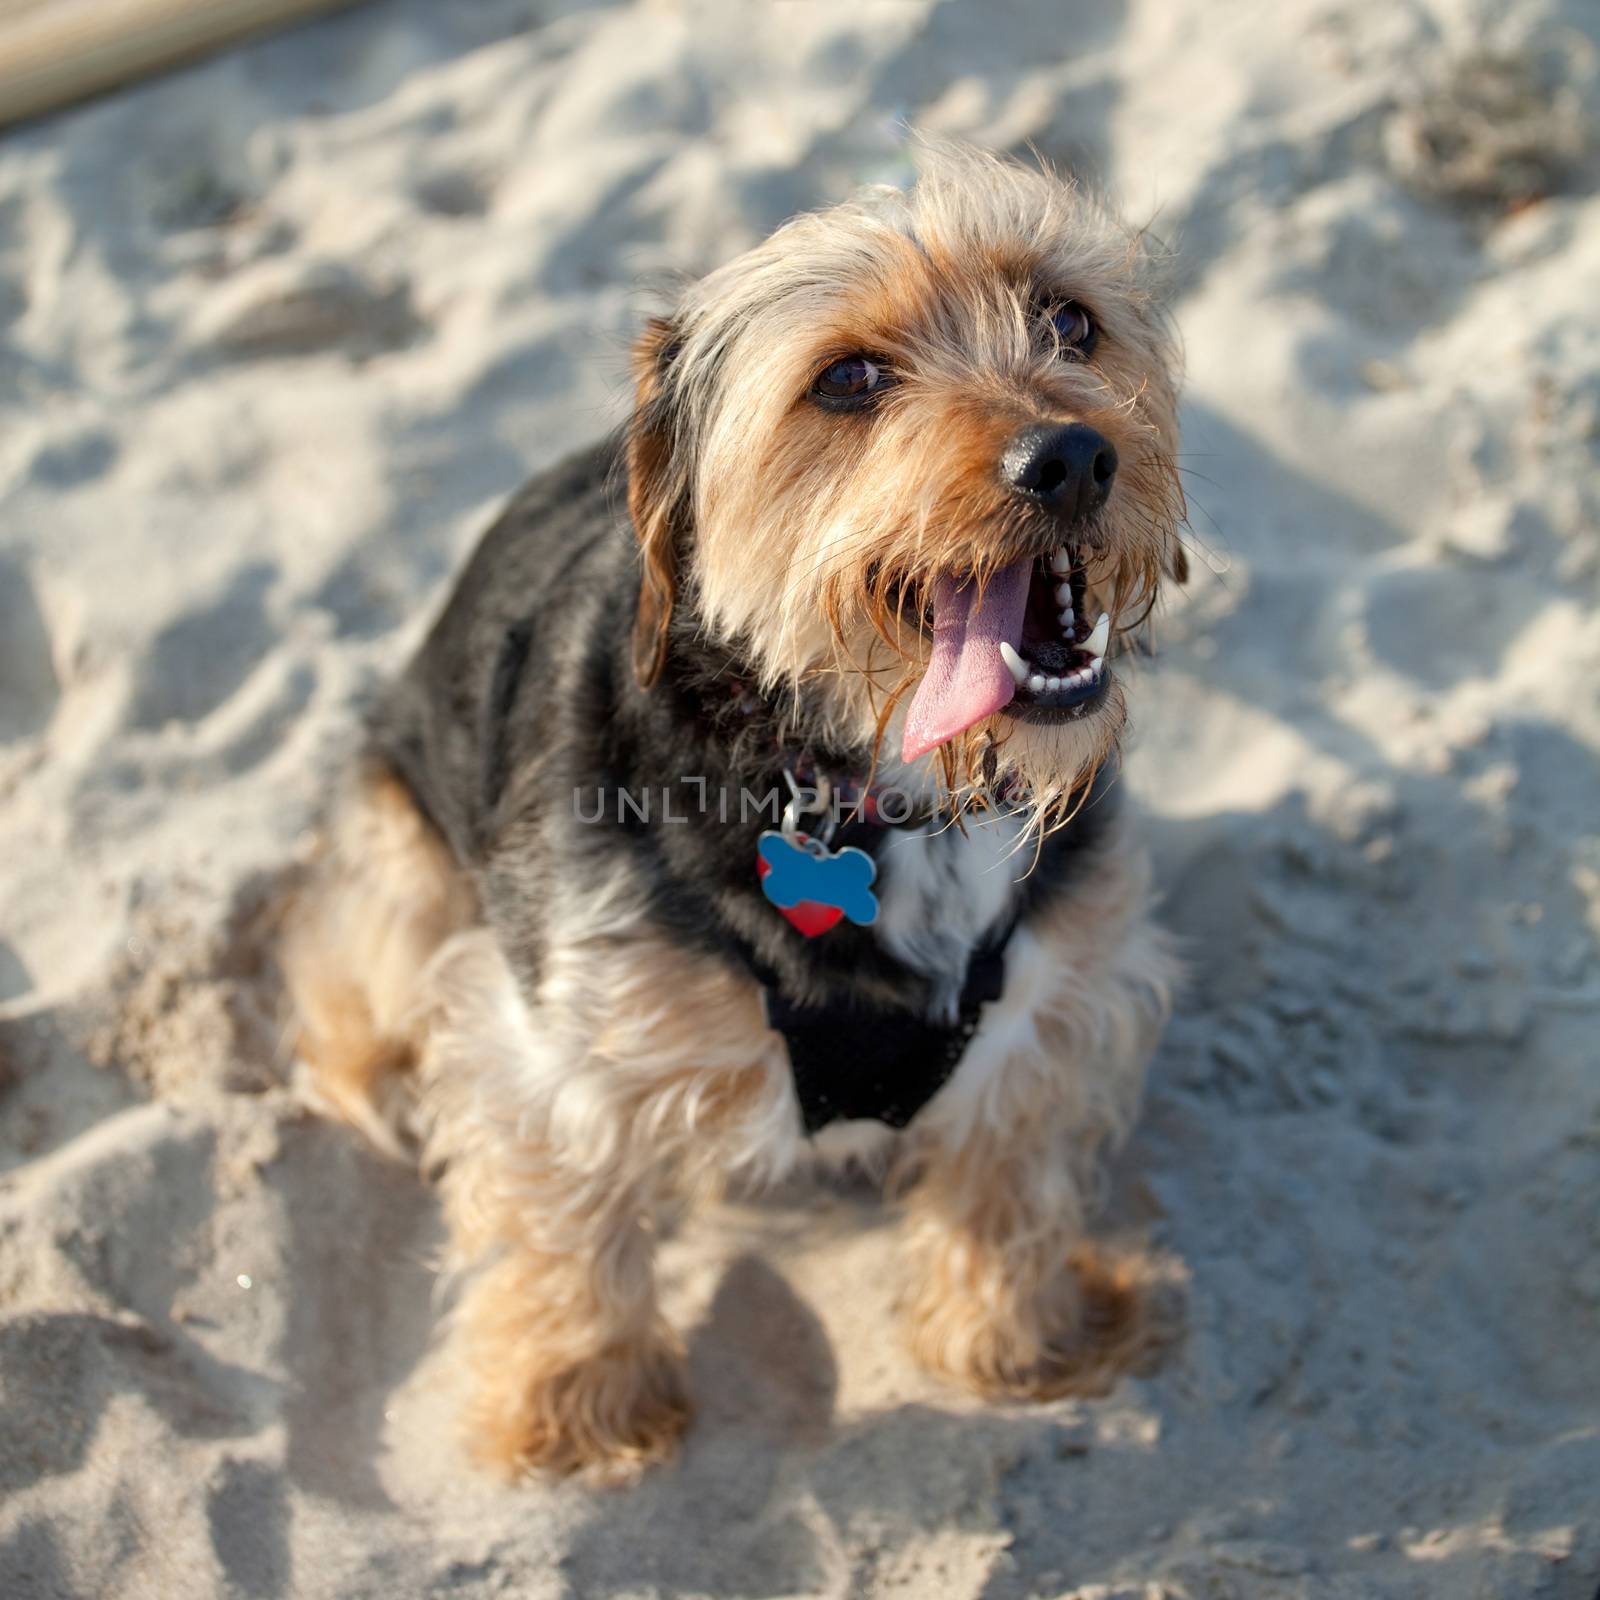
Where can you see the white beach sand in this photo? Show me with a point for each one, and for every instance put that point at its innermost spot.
(276, 336)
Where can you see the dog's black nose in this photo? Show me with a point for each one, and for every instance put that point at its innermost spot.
(1066, 468)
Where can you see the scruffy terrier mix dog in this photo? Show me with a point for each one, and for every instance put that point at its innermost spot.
(593, 920)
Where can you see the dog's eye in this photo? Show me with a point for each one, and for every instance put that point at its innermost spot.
(849, 382)
(1075, 328)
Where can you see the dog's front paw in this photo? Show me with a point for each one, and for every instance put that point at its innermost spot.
(1073, 1332)
(607, 1417)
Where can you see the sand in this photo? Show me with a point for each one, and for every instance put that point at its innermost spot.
(276, 336)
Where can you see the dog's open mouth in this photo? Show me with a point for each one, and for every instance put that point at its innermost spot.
(1023, 646)
(1060, 664)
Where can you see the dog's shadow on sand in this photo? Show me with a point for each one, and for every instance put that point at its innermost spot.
(768, 1474)
(761, 1361)
(370, 1229)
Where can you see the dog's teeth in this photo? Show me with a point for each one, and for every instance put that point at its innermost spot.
(1097, 666)
(1064, 596)
(1097, 641)
(1015, 665)
(1053, 685)
(1068, 616)
(1036, 684)
(1061, 562)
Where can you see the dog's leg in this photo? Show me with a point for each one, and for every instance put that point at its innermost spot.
(1008, 1295)
(381, 898)
(636, 1068)
(572, 1366)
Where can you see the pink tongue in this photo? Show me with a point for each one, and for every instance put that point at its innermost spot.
(966, 680)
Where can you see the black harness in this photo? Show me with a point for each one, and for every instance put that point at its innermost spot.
(851, 1059)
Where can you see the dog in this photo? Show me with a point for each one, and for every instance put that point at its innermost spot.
(752, 801)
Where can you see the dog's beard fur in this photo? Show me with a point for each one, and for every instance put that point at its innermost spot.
(810, 540)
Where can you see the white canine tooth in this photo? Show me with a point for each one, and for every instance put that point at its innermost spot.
(1097, 641)
(1015, 665)
(1061, 562)
(1067, 618)
(1097, 666)
(1036, 683)
(1064, 595)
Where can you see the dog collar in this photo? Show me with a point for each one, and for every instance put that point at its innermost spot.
(812, 884)
(857, 805)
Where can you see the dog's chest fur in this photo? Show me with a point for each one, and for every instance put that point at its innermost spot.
(943, 892)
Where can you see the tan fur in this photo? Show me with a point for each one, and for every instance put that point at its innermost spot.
(564, 1111)
(384, 894)
(1006, 1296)
(638, 1071)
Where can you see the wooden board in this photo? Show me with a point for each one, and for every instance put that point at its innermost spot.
(56, 52)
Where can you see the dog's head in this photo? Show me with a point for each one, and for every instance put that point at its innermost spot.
(914, 457)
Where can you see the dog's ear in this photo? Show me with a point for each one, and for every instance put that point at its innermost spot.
(657, 497)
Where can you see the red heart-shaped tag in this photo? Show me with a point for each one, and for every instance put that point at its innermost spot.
(811, 917)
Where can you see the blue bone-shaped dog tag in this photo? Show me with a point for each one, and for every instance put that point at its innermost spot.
(798, 869)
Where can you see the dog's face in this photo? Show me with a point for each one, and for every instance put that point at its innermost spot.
(905, 454)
